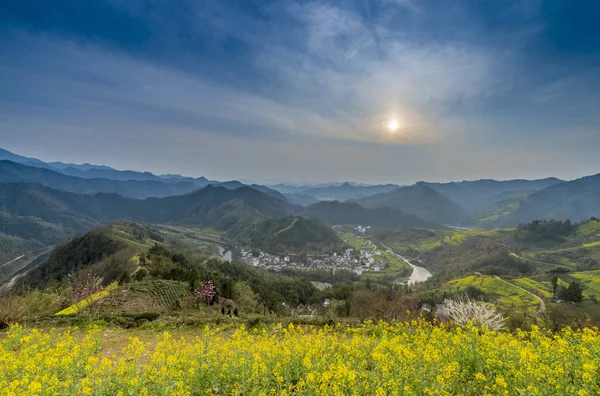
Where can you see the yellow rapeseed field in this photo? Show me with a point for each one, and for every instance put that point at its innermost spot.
(375, 359)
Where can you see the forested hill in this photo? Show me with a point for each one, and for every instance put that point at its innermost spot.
(289, 234)
(335, 212)
(211, 206)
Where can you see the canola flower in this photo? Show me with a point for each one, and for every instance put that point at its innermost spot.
(414, 358)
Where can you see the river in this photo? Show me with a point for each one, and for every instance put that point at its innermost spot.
(419, 274)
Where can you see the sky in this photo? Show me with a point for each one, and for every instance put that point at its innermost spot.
(305, 90)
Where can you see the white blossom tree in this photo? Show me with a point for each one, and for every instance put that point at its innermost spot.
(463, 310)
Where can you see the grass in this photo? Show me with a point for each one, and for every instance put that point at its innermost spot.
(73, 309)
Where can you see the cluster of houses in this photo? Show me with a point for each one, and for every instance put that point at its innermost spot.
(360, 262)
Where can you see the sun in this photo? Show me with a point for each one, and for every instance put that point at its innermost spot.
(393, 125)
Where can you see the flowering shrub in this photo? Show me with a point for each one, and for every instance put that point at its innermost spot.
(414, 358)
(207, 293)
(464, 310)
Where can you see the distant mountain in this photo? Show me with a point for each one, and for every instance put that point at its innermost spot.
(301, 199)
(7, 155)
(335, 212)
(473, 196)
(348, 191)
(576, 200)
(419, 200)
(233, 184)
(13, 172)
(110, 174)
(301, 188)
(89, 171)
(37, 212)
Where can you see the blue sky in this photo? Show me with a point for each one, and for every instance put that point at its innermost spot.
(304, 90)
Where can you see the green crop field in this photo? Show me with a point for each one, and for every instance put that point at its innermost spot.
(156, 294)
(357, 243)
(506, 293)
(590, 281)
(542, 289)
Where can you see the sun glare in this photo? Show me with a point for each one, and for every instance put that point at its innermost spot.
(393, 125)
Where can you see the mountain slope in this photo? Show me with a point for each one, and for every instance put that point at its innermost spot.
(419, 200)
(294, 234)
(335, 212)
(475, 195)
(576, 200)
(70, 212)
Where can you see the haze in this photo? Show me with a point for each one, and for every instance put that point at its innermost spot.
(299, 90)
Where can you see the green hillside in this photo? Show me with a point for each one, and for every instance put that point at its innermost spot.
(294, 234)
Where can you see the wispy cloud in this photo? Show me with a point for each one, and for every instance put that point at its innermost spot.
(308, 85)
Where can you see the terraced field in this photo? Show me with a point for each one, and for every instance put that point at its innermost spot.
(154, 295)
(505, 293)
(542, 289)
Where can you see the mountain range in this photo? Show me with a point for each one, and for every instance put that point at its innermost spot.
(44, 203)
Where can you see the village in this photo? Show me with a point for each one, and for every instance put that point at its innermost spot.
(358, 261)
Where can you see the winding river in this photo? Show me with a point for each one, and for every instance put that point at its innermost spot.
(419, 274)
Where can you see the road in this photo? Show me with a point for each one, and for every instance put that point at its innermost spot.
(12, 261)
(542, 304)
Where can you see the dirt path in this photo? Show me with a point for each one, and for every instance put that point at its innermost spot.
(542, 303)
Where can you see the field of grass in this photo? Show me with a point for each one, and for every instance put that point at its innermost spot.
(375, 359)
(505, 293)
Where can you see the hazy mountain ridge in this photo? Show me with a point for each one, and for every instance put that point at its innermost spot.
(472, 196)
(576, 200)
(419, 200)
(335, 212)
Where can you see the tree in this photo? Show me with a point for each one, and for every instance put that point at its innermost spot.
(207, 293)
(573, 293)
(474, 292)
(464, 310)
(554, 284)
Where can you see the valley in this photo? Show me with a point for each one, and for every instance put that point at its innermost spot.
(150, 250)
